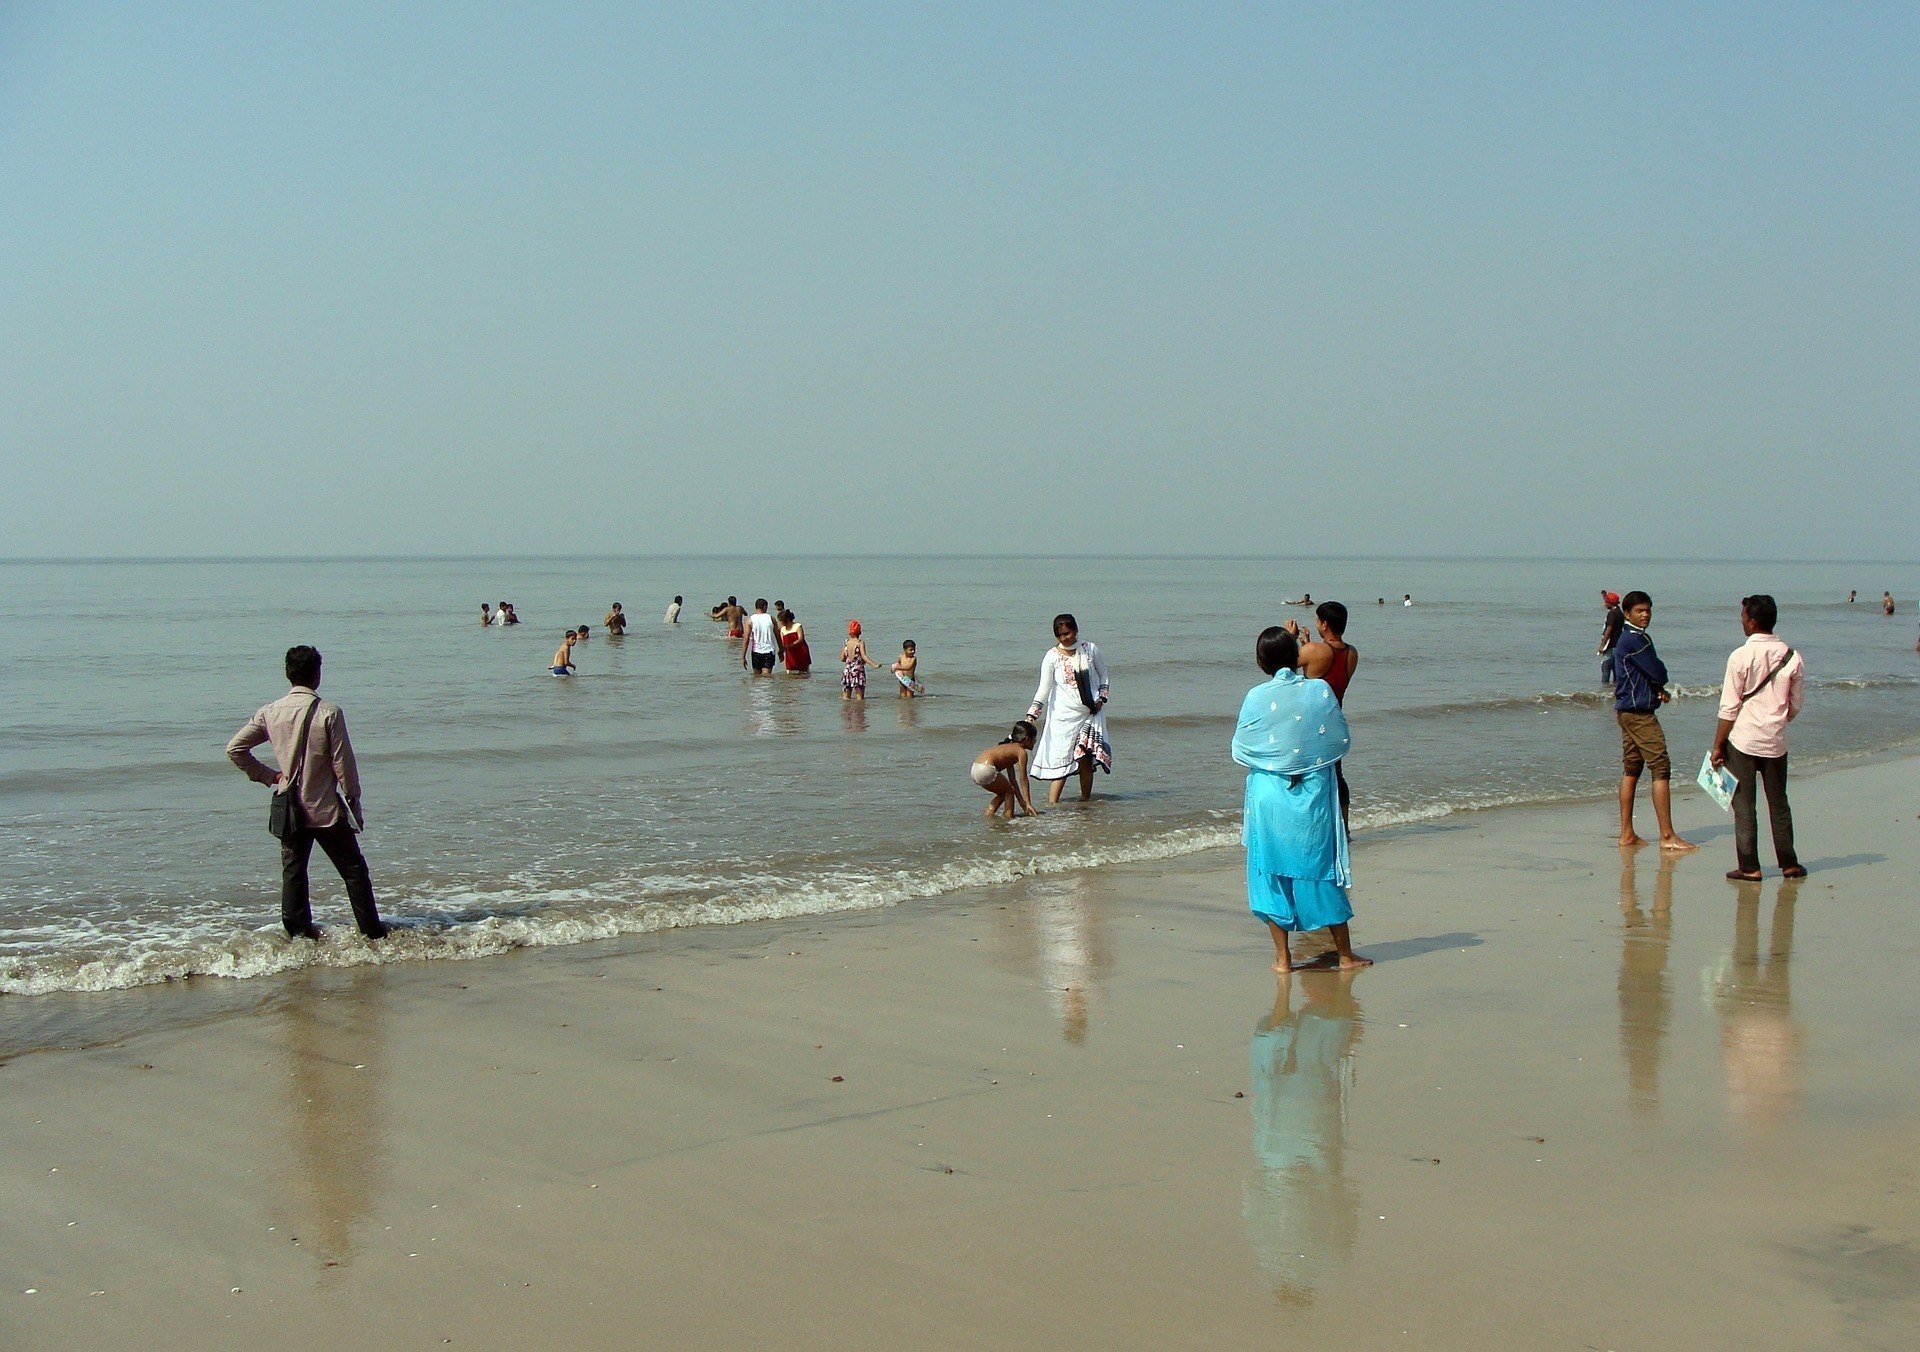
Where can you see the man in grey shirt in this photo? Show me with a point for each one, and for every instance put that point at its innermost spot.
(328, 794)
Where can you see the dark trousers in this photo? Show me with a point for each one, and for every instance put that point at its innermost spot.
(343, 848)
(1771, 772)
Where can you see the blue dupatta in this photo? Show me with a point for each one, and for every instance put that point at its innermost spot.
(1290, 736)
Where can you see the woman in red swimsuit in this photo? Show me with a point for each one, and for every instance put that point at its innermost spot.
(793, 645)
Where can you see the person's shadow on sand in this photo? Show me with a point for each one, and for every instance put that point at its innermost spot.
(1839, 861)
(1395, 949)
(1302, 1212)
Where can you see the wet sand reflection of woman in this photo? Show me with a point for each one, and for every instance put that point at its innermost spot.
(1060, 937)
(1302, 1211)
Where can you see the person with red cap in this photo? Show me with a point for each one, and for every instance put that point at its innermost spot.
(854, 663)
(1609, 633)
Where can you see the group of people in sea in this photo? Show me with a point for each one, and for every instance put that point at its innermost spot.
(1886, 601)
(771, 634)
(1291, 735)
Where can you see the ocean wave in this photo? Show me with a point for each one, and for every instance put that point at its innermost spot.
(1548, 699)
(530, 913)
(1864, 682)
(477, 925)
(526, 913)
(1603, 699)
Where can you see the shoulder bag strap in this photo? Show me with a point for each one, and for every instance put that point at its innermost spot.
(1778, 668)
(300, 746)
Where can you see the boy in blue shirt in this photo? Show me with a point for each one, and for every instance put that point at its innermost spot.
(1639, 689)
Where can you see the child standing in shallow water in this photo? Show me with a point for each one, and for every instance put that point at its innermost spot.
(854, 663)
(903, 669)
(1002, 771)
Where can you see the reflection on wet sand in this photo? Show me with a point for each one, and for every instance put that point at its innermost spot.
(1760, 1041)
(1065, 937)
(773, 708)
(1646, 994)
(854, 713)
(331, 1037)
(1302, 1211)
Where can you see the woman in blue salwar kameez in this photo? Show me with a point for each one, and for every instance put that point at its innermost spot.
(1290, 736)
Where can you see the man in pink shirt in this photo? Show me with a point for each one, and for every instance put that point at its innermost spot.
(1765, 685)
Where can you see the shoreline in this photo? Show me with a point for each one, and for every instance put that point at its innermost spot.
(1578, 1100)
(78, 1019)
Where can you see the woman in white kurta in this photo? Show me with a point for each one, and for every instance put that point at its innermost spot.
(1073, 697)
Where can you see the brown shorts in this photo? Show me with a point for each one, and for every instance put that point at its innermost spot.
(1643, 745)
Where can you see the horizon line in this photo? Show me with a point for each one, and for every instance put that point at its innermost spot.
(32, 560)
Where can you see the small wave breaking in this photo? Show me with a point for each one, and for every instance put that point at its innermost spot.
(468, 925)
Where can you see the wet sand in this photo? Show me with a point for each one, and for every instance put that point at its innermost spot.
(1580, 1102)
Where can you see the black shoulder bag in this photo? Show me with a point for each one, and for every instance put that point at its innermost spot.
(283, 816)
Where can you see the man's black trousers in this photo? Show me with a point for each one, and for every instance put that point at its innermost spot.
(343, 848)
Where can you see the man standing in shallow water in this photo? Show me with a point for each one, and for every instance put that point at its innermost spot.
(762, 640)
(1639, 689)
(309, 738)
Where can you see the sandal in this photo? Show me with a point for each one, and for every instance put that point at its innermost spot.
(1736, 876)
(1795, 872)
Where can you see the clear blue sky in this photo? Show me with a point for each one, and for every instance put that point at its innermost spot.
(1405, 278)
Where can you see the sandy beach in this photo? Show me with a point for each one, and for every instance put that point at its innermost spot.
(1580, 1102)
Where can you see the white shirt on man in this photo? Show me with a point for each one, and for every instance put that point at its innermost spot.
(760, 632)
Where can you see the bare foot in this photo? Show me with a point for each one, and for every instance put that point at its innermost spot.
(1675, 845)
(1353, 962)
(1319, 962)
(1283, 967)
(1633, 840)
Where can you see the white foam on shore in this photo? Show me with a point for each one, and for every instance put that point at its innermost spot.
(525, 912)
(475, 925)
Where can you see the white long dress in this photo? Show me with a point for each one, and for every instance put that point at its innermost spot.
(1072, 731)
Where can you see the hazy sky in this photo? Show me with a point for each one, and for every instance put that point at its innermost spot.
(1406, 278)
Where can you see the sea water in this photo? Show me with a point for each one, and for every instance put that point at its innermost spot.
(662, 786)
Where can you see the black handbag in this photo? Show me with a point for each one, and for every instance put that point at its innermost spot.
(1085, 682)
(283, 815)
